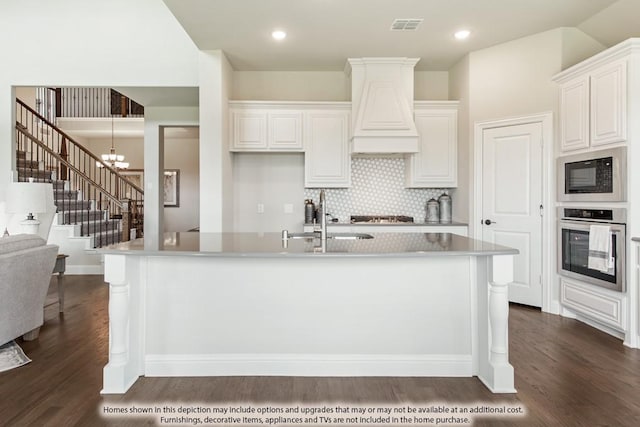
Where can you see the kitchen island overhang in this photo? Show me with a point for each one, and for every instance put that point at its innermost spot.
(229, 304)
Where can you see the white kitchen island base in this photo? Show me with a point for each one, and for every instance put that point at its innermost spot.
(329, 314)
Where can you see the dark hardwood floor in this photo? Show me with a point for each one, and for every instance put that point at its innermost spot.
(567, 374)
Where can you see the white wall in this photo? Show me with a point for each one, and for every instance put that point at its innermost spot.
(459, 90)
(216, 169)
(179, 153)
(291, 86)
(272, 180)
(577, 46)
(322, 85)
(183, 154)
(156, 120)
(508, 80)
(431, 86)
(88, 43)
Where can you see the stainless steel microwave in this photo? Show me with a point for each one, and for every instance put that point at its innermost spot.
(597, 176)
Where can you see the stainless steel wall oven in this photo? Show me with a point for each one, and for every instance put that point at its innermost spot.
(573, 245)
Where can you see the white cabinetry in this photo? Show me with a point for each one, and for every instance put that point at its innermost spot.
(574, 114)
(605, 306)
(436, 163)
(327, 162)
(265, 127)
(593, 103)
(609, 104)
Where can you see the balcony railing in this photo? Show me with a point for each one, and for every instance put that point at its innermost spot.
(84, 102)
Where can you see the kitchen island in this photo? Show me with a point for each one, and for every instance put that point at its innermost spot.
(228, 304)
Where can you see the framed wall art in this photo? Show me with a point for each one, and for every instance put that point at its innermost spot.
(171, 184)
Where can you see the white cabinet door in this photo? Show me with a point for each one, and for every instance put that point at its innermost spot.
(266, 129)
(574, 114)
(436, 163)
(248, 131)
(599, 304)
(593, 108)
(327, 161)
(609, 104)
(285, 131)
(511, 198)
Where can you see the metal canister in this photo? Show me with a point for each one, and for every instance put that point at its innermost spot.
(309, 211)
(433, 211)
(445, 208)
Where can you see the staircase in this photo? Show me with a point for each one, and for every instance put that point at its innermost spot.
(72, 209)
(86, 191)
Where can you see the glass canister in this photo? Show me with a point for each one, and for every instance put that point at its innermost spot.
(433, 211)
(445, 208)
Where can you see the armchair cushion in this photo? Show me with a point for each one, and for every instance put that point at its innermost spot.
(26, 265)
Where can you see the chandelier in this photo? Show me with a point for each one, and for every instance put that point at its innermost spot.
(112, 159)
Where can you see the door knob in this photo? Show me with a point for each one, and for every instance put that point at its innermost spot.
(489, 222)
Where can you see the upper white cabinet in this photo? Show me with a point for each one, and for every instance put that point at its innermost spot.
(574, 114)
(436, 163)
(265, 127)
(327, 161)
(593, 100)
(248, 130)
(285, 130)
(609, 104)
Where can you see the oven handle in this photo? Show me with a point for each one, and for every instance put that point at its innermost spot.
(583, 225)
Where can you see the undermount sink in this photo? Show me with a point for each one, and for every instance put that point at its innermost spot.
(336, 236)
(349, 236)
(306, 235)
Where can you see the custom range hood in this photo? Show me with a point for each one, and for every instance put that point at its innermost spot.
(382, 105)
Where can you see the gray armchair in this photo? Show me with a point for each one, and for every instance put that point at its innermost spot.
(26, 264)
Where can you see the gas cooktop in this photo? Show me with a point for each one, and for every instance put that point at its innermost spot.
(380, 219)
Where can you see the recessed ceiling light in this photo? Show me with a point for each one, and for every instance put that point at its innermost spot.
(279, 35)
(462, 34)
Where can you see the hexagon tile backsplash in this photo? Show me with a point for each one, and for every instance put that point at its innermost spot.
(377, 188)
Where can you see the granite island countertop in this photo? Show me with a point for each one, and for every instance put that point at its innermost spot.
(271, 245)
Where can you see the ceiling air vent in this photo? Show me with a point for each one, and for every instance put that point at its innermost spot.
(406, 24)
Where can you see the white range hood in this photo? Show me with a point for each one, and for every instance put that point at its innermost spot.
(382, 105)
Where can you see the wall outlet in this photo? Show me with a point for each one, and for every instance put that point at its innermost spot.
(260, 208)
(288, 208)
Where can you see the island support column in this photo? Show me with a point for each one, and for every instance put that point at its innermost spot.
(125, 352)
(494, 369)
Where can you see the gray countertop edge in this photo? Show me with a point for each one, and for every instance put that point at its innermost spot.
(269, 245)
(418, 254)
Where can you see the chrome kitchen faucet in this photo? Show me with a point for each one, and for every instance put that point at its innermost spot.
(322, 211)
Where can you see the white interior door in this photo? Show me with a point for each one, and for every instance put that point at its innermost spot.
(511, 202)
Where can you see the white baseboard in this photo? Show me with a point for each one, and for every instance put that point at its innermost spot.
(306, 365)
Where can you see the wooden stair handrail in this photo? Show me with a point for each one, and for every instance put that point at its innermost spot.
(82, 175)
(70, 139)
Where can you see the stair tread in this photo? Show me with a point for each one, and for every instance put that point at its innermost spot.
(73, 208)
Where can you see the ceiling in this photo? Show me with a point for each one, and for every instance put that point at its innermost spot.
(322, 34)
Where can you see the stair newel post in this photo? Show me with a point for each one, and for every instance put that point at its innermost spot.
(64, 173)
(126, 219)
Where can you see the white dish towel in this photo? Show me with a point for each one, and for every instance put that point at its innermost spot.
(600, 248)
